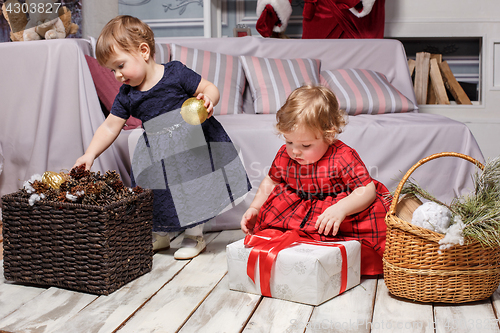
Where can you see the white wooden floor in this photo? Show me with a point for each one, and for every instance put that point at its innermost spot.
(193, 296)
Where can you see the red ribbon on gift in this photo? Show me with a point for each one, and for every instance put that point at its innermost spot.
(266, 246)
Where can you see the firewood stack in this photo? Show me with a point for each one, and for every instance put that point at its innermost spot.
(432, 78)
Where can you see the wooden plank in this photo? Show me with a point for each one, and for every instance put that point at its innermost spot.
(411, 66)
(495, 301)
(452, 84)
(467, 317)
(227, 310)
(173, 304)
(437, 83)
(107, 313)
(44, 312)
(392, 314)
(13, 296)
(276, 315)
(349, 312)
(421, 76)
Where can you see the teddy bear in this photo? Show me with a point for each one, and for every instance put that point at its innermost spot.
(45, 26)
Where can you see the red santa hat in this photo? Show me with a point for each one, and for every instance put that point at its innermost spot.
(273, 16)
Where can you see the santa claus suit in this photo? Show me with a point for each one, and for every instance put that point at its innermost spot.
(341, 19)
(325, 18)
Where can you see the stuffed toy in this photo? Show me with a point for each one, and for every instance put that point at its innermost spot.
(44, 25)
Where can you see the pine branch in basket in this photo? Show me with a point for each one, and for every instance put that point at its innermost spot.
(479, 210)
(412, 188)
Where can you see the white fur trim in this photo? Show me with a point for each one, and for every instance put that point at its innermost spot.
(283, 9)
(367, 8)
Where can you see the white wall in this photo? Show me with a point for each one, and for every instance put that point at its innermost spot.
(96, 13)
(459, 18)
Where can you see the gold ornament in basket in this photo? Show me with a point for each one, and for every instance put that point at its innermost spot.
(414, 269)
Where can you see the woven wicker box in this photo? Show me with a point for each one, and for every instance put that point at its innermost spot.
(95, 249)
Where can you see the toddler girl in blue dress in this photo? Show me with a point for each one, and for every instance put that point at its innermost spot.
(149, 92)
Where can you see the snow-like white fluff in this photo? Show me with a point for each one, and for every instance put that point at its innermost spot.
(35, 197)
(432, 216)
(454, 235)
(27, 184)
(74, 197)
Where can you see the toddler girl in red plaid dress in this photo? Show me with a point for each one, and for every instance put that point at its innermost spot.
(318, 185)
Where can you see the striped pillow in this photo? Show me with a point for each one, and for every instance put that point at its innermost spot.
(272, 80)
(222, 70)
(162, 53)
(364, 91)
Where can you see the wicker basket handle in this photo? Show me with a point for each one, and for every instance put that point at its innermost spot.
(395, 199)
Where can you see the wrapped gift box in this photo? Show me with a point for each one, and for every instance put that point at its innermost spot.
(304, 273)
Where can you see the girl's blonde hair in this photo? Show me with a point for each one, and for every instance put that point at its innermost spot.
(316, 108)
(125, 32)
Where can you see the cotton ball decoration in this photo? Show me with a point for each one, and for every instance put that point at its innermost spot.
(454, 235)
(432, 216)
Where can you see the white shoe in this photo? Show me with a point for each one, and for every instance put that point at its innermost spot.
(160, 242)
(190, 249)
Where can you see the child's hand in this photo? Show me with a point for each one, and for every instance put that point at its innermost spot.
(330, 220)
(208, 103)
(248, 220)
(85, 159)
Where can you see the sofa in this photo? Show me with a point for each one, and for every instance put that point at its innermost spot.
(53, 102)
(385, 127)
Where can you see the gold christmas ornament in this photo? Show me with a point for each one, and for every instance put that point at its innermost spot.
(53, 179)
(193, 111)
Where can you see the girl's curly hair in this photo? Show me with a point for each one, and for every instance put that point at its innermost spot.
(315, 107)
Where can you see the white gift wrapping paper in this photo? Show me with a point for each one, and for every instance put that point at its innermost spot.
(304, 273)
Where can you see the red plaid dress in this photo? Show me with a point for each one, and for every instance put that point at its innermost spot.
(305, 191)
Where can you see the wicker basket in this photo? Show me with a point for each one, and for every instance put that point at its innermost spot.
(95, 249)
(414, 269)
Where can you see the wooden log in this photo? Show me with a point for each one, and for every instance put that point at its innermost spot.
(431, 95)
(421, 76)
(411, 66)
(452, 84)
(437, 56)
(437, 83)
